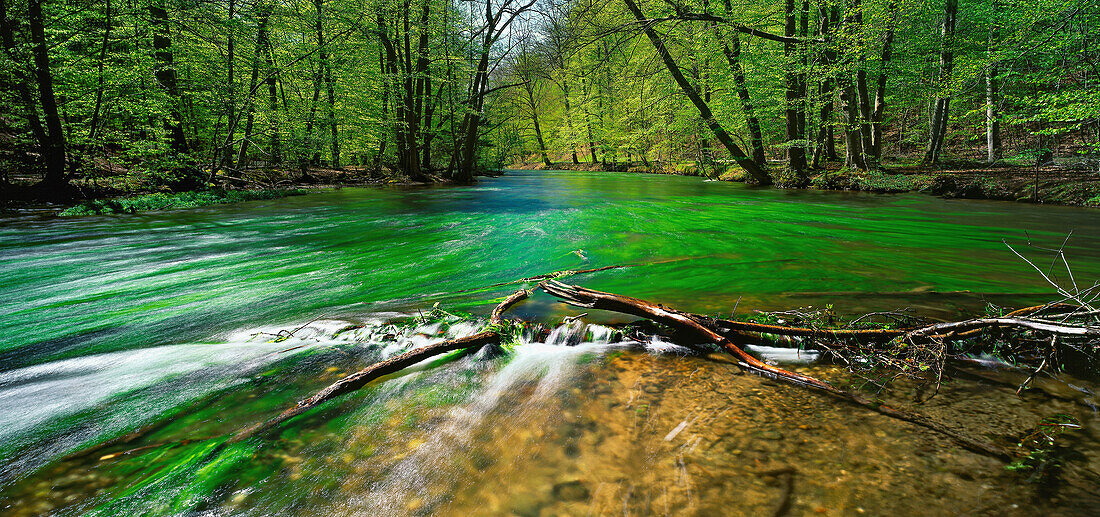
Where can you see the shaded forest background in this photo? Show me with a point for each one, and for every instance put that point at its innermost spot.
(187, 94)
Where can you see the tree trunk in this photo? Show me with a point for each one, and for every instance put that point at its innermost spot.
(880, 89)
(569, 120)
(53, 143)
(22, 83)
(261, 35)
(826, 145)
(938, 123)
(93, 126)
(541, 142)
(864, 97)
(992, 117)
(330, 90)
(276, 151)
(165, 75)
(796, 153)
(732, 50)
(803, 89)
(588, 121)
(385, 109)
(853, 141)
(758, 173)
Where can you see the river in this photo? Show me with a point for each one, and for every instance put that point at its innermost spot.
(160, 332)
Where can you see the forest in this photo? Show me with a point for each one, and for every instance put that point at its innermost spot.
(192, 94)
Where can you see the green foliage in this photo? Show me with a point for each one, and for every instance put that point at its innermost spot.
(595, 93)
(177, 201)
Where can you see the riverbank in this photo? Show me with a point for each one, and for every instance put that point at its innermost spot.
(1053, 184)
(106, 193)
(173, 201)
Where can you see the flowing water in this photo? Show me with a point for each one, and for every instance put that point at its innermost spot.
(158, 335)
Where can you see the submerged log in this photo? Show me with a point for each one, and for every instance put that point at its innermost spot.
(394, 364)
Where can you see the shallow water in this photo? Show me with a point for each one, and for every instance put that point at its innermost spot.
(151, 325)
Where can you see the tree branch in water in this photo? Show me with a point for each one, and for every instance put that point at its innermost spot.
(588, 298)
(394, 364)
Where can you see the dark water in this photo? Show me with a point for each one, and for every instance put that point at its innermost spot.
(150, 323)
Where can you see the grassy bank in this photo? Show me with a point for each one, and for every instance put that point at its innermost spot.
(161, 201)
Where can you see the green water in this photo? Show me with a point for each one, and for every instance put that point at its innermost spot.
(149, 323)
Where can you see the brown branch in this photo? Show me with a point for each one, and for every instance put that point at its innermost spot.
(739, 27)
(580, 297)
(394, 364)
(983, 323)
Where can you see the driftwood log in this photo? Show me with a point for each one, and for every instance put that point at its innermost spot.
(394, 364)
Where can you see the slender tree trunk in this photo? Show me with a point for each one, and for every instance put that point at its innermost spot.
(732, 50)
(853, 141)
(796, 150)
(759, 174)
(880, 87)
(938, 125)
(22, 82)
(863, 96)
(53, 144)
(992, 117)
(330, 89)
(569, 120)
(276, 151)
(588, 121)
(385, 108)
(541, 142)
(803, 88)
(231, 85)
(165, 74)
(313, 142)
(825, 144)
(93, 126)
(261, 35)
(318, 79)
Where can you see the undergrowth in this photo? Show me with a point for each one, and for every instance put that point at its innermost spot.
(160, 201)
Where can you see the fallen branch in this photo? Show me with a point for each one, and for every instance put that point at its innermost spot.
(984, 323)
(581, 297)
(395, 364)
